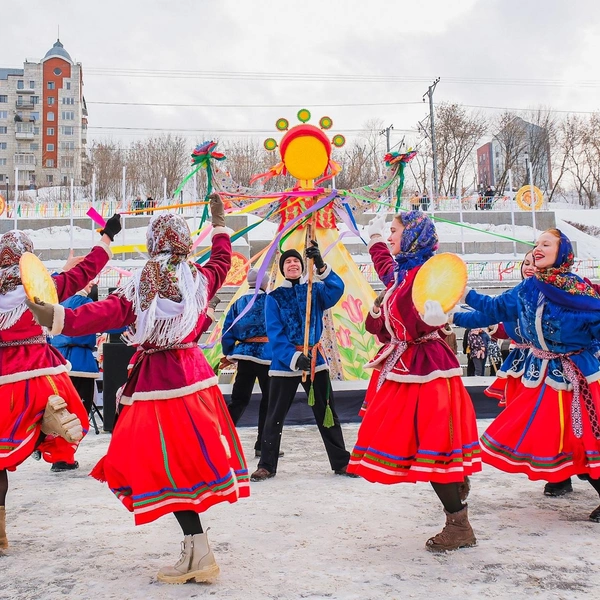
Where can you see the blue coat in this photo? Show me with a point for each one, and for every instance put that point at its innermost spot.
(546, 326)
(79, 350)
(285, 310)
(252, 324)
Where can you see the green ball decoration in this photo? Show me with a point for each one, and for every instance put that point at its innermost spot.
(326, 123)
(338, 140)
(270, 144)
(282, 124)
(303, 115)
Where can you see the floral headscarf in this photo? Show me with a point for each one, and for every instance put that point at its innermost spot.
(169, 293)
(418, 244)
(12, 246)
(559, 285)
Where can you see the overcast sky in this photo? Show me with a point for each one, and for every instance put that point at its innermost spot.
(467, 43)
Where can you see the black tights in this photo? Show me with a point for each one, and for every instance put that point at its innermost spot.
(449, 496)
(3, 486)
(189, 521)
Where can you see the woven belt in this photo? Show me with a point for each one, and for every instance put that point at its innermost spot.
(38, 339)
(166, 348)
(581, 389)
(256, 340)
(400, 348)
(313, 359)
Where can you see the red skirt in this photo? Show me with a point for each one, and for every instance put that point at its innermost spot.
(371, 391)
(503, 389)
(175, 454)
(417, 432)
(534, 435)
(22, 406)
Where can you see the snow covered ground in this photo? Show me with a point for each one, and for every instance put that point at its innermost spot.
(304, 534)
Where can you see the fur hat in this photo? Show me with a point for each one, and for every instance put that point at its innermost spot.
(289, 254)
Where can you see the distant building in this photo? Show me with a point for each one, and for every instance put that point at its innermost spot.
(524, 137)
(485, 165)
(43, 121)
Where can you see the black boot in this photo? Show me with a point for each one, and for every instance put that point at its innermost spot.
(561, 488)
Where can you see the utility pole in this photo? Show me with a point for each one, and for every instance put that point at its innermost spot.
(387, 136)
(429, 93)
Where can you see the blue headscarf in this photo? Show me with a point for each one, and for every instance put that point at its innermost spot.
(562, 287)
(418, 244)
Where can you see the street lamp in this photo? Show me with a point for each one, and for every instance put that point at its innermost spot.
(7, 184)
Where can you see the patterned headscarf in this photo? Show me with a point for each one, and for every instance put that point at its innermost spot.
(12, 246)
(418, 244)
(559, 285)
(166, 276)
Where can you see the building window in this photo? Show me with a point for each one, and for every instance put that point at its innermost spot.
(67, 162)
(32, 85)
(19, 100)
(3, 129)
(20, 84)
(36, 131)
(51, 85)
(68, 100)
(67, 130)
(49, 147)
(2, 145)
(3, 161)
(34, 116)
(33, 147)
(49, 178)
(67, 145)
(3, 114)
(67, 85)
(50, 163)
(68, 115)
(49, 130)
(50, 116)
(51, 100)
(3, 98)
(57, 71)
(35, 99)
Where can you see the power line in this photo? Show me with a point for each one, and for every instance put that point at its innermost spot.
(280, 76)
(226, 131)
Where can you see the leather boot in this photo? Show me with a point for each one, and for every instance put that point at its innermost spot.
(196, 562)
(3, 538)
(57, 420)
(457, 533)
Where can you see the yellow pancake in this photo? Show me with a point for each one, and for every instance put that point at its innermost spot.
(443, 278)
(36, 280)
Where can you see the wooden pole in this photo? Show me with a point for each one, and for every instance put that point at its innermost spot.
(309, 266)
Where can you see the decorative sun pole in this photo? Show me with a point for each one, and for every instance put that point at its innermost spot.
(311, 211)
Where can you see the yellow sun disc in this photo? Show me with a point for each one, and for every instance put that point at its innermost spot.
(36, 280)
(306, 157)
(442, 278)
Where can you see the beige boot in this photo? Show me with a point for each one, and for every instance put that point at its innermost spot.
(196, 562)
(57, 420)
(3, 538)
(457, 533)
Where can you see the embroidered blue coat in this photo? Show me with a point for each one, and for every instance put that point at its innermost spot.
(78, 350)
(546, 326)
(285, 309)
(251, 325)
(514, 364)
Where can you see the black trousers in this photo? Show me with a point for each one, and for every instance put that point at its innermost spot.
(281, 395)
(248, 372)
(85, 389)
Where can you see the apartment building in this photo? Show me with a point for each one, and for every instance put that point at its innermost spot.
(43, 122)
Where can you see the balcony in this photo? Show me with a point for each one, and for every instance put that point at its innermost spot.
(25, 105)
(24, 135)
(24, 161)
(25, 91)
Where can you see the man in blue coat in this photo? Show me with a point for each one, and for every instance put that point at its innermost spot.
(285, 309)
(247, 344)
(79, 351)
